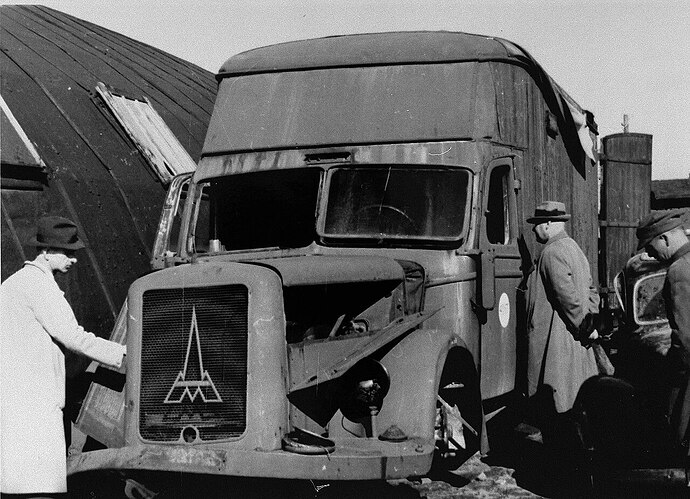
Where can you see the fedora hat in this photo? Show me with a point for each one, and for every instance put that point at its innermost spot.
(56, 232)
(549, 211)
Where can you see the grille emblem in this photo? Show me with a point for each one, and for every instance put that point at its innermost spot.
(185, 386)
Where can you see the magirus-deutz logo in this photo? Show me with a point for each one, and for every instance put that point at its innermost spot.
(201, 385)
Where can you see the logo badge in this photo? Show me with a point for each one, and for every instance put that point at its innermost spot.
(203, 386)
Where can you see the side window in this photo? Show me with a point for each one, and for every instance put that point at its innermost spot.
(498, 227)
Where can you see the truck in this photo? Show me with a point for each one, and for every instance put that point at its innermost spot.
(337, 289)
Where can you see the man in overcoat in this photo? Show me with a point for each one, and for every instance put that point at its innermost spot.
(560, 294)
(36, 325)
(662, 235)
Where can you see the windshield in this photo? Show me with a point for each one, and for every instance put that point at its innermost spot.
(397, 202)
(278, 208)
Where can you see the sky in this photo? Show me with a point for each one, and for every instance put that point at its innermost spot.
(615, 58)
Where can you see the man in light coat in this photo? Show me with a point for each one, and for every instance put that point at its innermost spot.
(36, 325)
(560, 295)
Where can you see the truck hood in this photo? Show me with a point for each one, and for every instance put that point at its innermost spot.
(320, 269)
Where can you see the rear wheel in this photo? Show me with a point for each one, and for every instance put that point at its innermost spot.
(458, 412)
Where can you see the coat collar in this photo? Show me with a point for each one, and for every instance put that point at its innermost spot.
(40, 266)
(681, 251)
(557, 237)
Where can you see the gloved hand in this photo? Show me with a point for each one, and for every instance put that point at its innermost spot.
(587, 332)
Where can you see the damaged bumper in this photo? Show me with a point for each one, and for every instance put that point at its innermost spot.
(355, 459)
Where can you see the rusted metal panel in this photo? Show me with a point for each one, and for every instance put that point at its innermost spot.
(626, 187)
(353, 106)
(387, 334)
(361, 459)
(307, 270)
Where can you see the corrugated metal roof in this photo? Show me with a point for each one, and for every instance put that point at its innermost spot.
(15, 146)
(50, 64)
(372, 49)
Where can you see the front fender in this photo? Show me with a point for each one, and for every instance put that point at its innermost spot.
(415, 365)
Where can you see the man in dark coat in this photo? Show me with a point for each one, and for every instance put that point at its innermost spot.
(560, 295)
(663, 237)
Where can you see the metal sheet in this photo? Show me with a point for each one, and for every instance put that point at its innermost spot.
(316, 270)
(372, 49)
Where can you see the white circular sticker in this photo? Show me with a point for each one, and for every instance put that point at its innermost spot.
(504, 310)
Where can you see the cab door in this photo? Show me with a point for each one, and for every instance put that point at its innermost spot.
(500, 277)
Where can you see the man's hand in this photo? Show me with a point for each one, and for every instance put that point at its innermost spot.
(587, 331)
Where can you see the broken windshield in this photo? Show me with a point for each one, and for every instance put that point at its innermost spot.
(258, 210)
(397, 202)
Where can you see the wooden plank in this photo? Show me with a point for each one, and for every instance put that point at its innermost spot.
(102, 413)
(626, 187)
(150, 133)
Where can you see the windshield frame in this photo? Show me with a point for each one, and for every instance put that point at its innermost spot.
(201, 189)
(406, 241)
(635, 302)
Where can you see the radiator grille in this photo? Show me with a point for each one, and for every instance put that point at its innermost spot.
(194, 363)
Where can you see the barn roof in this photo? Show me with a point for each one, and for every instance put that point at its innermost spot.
(51, 64)
(671, 188)
(54, 61)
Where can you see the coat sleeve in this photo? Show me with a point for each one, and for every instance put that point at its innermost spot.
(56, 316)
(557, 272)
(679, 319)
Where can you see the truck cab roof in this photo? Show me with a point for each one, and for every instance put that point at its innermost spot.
(373, 49)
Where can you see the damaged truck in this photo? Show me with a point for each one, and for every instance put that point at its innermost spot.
(336, 289)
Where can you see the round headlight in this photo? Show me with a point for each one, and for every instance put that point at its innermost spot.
(363, 388)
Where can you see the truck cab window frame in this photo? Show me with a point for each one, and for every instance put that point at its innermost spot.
(500, 208)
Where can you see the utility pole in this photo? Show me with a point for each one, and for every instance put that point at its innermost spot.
(625, 123)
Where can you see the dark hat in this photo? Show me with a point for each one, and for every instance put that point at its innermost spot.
(549, 211)
(56, 232)
(656, 223)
